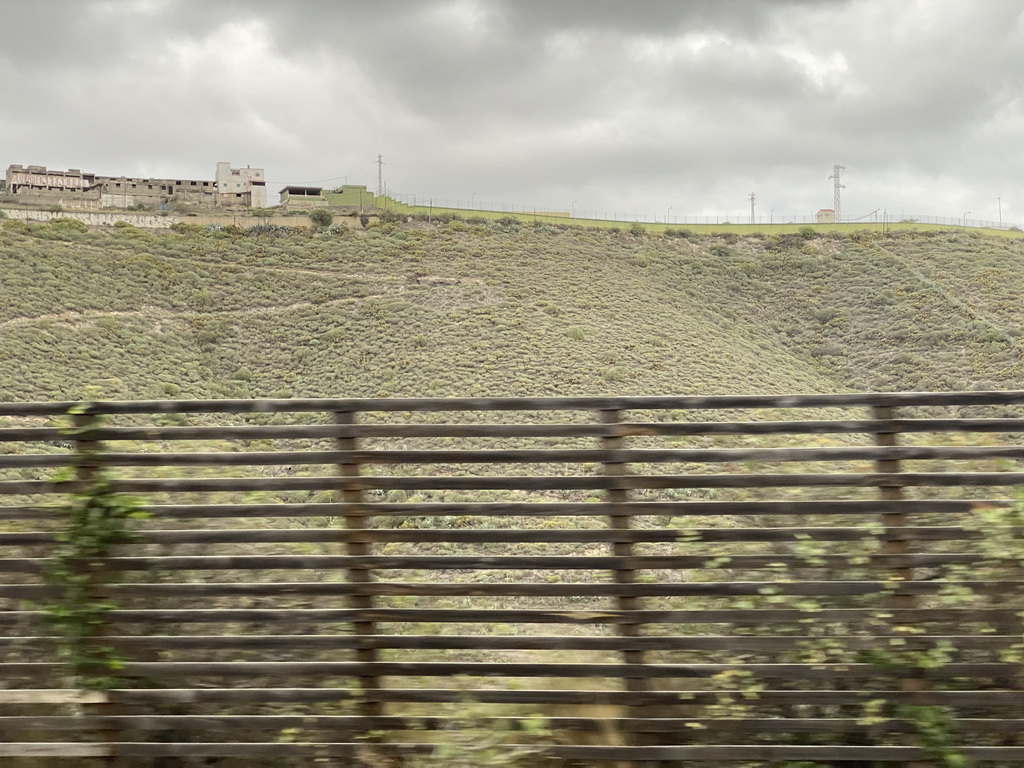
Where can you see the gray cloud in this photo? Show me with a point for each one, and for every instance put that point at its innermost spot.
(623, 107)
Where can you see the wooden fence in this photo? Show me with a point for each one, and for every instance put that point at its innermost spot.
(785, 581)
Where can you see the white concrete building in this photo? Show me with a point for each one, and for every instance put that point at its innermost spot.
(241, 186)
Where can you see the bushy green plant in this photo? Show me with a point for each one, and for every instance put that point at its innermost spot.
(68, 225)
(391, 217)
(321, 217)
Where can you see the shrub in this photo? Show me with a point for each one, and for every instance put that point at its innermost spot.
(807, 233)
(68, 225)
(615, 374)
(321, 217)
(186, 229)
(637, 229)
(391, 217)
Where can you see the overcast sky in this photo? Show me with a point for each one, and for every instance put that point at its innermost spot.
(603, 105)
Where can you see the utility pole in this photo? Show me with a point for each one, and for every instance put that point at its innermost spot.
(836, 204)
(1000, 201)
(380, 175)
(753, 197)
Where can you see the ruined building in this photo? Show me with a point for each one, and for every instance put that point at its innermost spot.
(233, 187)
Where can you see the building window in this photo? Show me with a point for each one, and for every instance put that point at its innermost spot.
(192, 183)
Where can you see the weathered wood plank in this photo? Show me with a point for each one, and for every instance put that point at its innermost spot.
(499, 562)
(532, 483)
(54, 749)
(200, 724)
(538, 509)
(1007, 616)
(579, 535)
(997, 699)
(530, 456)
(703, 753)
(623, 429)
(190, 670)
(52, 696)
(760, 643)
(517, 403)
(523, 589)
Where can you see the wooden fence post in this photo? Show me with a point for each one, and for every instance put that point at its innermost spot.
(87, 468)
(892, 546)
(620, 519)
(351, 493)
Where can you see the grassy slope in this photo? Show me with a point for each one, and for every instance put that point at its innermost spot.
(451, 310)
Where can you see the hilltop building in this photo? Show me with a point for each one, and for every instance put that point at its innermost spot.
(233, 187)
(351, 196)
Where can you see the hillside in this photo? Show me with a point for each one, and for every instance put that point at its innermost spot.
(491, 309)
(474, 309)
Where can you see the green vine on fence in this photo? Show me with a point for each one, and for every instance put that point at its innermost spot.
(96, 519)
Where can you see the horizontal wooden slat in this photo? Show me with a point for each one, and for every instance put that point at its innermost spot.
(538, 509)
(1003, 700)
(52, 696)
(606, 725)
(351, 751)
(624, 429)
(682, 643)
(529, 483)
(516, 403)
(520, 456)
(54, 749)
(578, 535)
(399, 615)
(508, 562)
(325, 669)
(518, 589)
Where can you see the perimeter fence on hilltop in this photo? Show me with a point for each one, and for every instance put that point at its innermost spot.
(567, 581)
(880, 216)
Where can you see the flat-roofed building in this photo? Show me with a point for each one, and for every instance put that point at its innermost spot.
(35, 184)
(348, 196)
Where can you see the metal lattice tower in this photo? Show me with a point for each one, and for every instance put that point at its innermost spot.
(380, 175)
(836, 203)
(753, 197)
